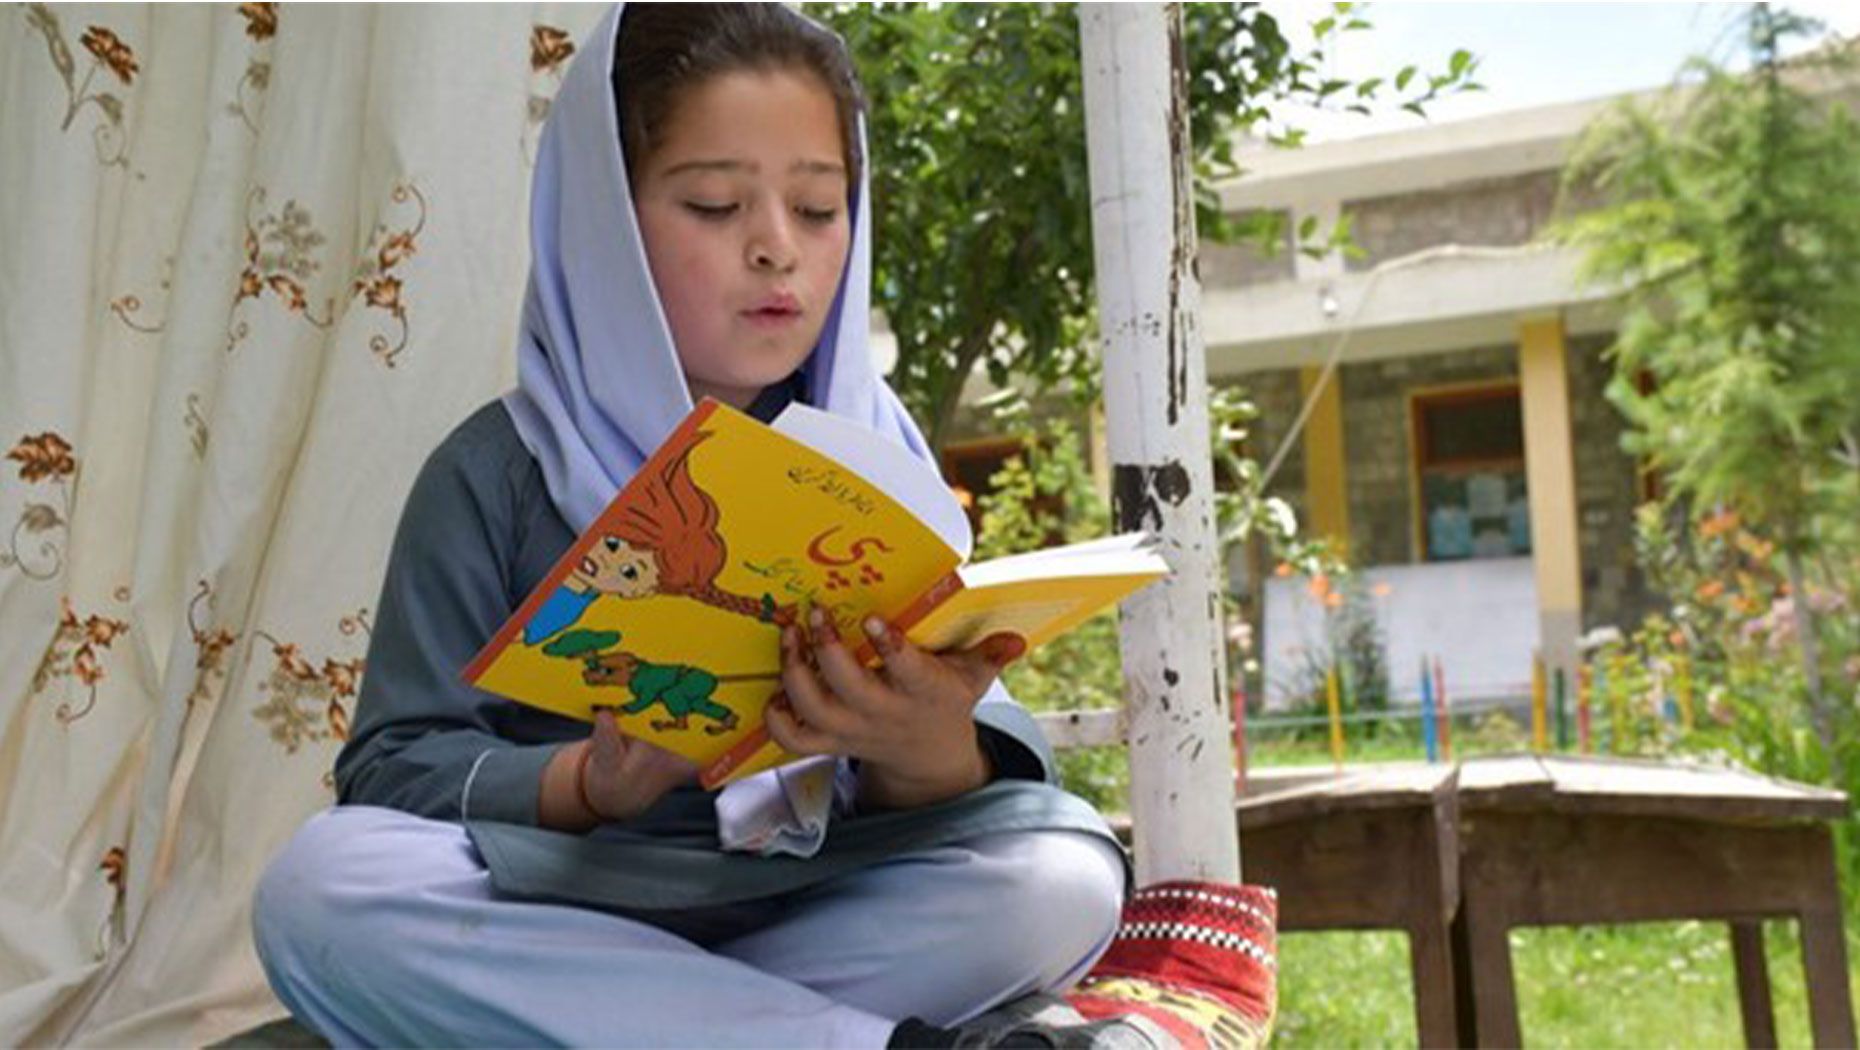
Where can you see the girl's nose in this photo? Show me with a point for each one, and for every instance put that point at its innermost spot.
(772, 246)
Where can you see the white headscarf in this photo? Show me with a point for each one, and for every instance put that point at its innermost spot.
(598, 381)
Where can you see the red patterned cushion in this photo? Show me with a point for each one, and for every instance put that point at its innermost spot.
(1197, 958)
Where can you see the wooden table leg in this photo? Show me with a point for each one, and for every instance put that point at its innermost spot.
(1488, 960)
(1824, 961)
(1430, 954)
(1824, 951)
(1463, 1013)
(1753, 984)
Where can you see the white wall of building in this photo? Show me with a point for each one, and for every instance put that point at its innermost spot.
(1479, 617)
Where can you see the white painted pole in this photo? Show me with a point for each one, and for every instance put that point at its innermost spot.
(1156, 406)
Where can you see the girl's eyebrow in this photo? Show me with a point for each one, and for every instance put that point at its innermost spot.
(799, 167)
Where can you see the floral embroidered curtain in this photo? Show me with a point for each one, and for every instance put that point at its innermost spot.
(255, 261)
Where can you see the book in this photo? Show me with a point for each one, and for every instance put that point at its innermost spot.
(668, 609)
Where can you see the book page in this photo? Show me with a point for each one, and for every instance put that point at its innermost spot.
(1037, 597)
(885, 463)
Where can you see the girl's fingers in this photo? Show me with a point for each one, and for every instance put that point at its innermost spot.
(810, 699)
(786, 729)
(980, 665)
(907, 668)
(608, 743)
(838, 669)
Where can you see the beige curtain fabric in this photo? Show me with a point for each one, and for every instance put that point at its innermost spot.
(255, 261)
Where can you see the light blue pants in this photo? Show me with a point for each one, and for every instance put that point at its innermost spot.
(377, 927)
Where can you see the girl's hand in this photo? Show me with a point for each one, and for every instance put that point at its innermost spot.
(608, 777)
(911, 723)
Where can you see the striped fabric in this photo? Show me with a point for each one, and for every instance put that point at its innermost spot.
(1199, 959)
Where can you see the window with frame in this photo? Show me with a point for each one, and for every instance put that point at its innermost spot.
(1472, 500)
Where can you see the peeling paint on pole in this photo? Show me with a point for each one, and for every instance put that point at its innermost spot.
(1149, 305)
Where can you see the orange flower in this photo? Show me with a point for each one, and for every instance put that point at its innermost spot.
(261, 20)
(291, 662)
(398, 247)
(84, 664)
(342, 677)
(1677, 638)
(103, 631)
(111, 51)
(385, 293)
(1718, 524)
(43, 456)
(1333, 600)
(1284, 568)
(115, 867)
(212, 644)
(1709, 590)
(290, 291)
(549, 46)
(1319, 585)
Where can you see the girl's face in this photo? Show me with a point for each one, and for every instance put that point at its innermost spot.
(743, 210)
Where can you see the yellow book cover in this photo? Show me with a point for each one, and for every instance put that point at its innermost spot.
(668, 609)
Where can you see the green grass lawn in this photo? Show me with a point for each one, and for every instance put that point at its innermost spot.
(1653, 985)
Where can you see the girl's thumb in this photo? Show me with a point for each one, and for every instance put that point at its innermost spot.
(1003, 649)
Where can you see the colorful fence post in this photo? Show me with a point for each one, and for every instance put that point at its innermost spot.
(1683, 686)
(1443, 710)
(1430, 729)
(1334, 700)
(1562, 710)
(1540, 728)
(1617, 718)
(1585, 689)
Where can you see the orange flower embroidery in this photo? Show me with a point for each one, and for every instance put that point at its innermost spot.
(290, 291)
(338, 719)
(549, 48)
(261, 20)
(342, 677)
(99, 631)
(385, 293)
(115, 868)
(291, 661)
(43, 456)
(84, 664)
(111, 51)
(398, 247)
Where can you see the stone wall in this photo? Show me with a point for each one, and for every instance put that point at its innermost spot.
(1504, 211)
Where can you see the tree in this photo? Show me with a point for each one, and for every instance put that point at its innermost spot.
(983, 232)
(1731, 220)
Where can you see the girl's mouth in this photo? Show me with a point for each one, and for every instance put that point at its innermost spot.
(774, 313)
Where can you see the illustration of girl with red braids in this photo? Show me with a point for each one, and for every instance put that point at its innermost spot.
(665, 542)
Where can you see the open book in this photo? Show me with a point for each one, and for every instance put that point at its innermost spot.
(668, 610)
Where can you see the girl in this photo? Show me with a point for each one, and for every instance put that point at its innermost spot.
(495, 874)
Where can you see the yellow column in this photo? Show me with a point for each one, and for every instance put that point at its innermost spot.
(1327, 507)
(1550, 473)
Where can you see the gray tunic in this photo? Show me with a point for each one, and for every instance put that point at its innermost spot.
(479, 532)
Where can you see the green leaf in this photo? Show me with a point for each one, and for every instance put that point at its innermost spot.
(1402, 78)
(576, 644)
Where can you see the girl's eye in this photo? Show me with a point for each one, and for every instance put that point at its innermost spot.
(818, 216)
(710, 211)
